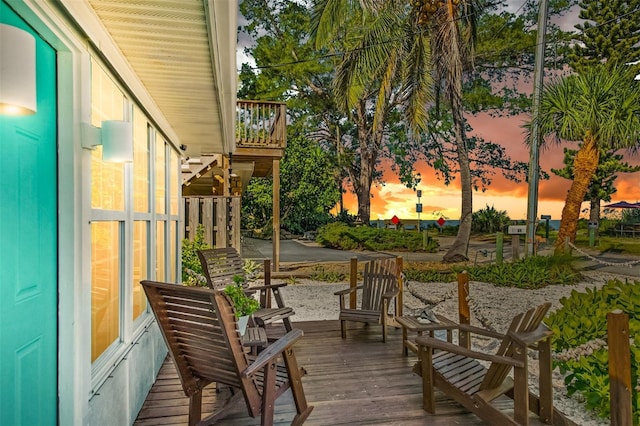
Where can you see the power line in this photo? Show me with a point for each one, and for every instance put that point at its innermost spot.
(477, 56)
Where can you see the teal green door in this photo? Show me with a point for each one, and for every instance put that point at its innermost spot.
(28, 252)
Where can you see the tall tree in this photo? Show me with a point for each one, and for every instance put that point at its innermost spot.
(610, 32)
(599, 107)
(452, 25)
(307, 194)
(365, 88)
(601, 186)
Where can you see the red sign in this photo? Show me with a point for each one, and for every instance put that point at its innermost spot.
(441, 222)
(395, 220)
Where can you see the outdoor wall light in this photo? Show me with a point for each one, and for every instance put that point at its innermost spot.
(116, 138)
(17, 71)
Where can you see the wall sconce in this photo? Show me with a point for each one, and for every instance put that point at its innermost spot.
(17, 71)
(116, 138)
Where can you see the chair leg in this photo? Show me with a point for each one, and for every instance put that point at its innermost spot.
(425, 355)
(546, 388)
(521, 387)
(268, 394)
(295, 381)
(343, 328)
(385, 307)
(195, 408)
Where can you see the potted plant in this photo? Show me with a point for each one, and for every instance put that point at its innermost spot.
(243, 304)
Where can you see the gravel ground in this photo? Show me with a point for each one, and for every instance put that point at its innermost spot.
(492, 307)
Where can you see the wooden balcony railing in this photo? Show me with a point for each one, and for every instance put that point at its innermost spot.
(261, 124)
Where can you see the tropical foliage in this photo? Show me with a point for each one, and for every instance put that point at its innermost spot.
(580, 341)
(308, 189)
(489, 220)
(342, 236)
(599, 107)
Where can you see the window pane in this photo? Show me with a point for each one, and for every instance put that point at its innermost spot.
(174, 181)
(160, 177)
(140, 162)
(105, 286)
(107, 179)
(140, 268)
(160, 252)
(173, 251)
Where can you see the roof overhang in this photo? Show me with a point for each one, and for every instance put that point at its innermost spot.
(176, 57)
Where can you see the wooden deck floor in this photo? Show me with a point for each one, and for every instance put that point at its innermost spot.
(356, 381)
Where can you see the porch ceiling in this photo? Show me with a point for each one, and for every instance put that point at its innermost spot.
(183, 53)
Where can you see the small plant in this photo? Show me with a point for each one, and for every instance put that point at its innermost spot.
(243, 303)
(320, 274)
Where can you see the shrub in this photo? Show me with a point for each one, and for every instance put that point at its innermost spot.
(489, 220)
(530, 272)
(580, 329)
(342, 236)
(190, 260)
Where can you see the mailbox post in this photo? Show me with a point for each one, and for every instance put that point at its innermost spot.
(515, 231)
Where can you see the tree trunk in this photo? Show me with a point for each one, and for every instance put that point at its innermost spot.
(459, 249)
(369, 146)
(584, 167)
(594, 212)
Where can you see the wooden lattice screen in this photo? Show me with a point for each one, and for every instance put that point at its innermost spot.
(220, 217)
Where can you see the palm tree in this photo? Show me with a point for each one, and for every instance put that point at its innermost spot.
(599, 107)
(452, 25)
(430, 46)
(377, 49)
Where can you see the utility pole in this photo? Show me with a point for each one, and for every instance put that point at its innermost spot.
(534, 159)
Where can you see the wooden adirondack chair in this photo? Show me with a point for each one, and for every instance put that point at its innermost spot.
(455, 370)
(200, 329)
(379, 288)
(221, 265)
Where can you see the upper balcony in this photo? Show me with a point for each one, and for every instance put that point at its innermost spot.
(261, 138)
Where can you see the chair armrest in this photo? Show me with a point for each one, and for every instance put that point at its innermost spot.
(434, 343)
(347, 290)
(267, 286)
(391, 294)
(532, 337)
(272, 351)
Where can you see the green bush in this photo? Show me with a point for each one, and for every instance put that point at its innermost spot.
(580, 329)
(530, 272)
(342, 236)
(190, 260)
(489, 220)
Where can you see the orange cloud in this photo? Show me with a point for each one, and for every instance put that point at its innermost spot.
(440, 199)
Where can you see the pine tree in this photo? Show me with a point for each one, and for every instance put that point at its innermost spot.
(610, 32)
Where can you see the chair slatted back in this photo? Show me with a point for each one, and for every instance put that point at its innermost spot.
(380, 276)
(221, 265)
(199, 327)
(522, 323)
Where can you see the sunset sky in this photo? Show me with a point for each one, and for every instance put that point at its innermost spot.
(438, 199)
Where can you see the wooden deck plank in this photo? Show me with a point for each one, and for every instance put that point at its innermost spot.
(353, 381)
